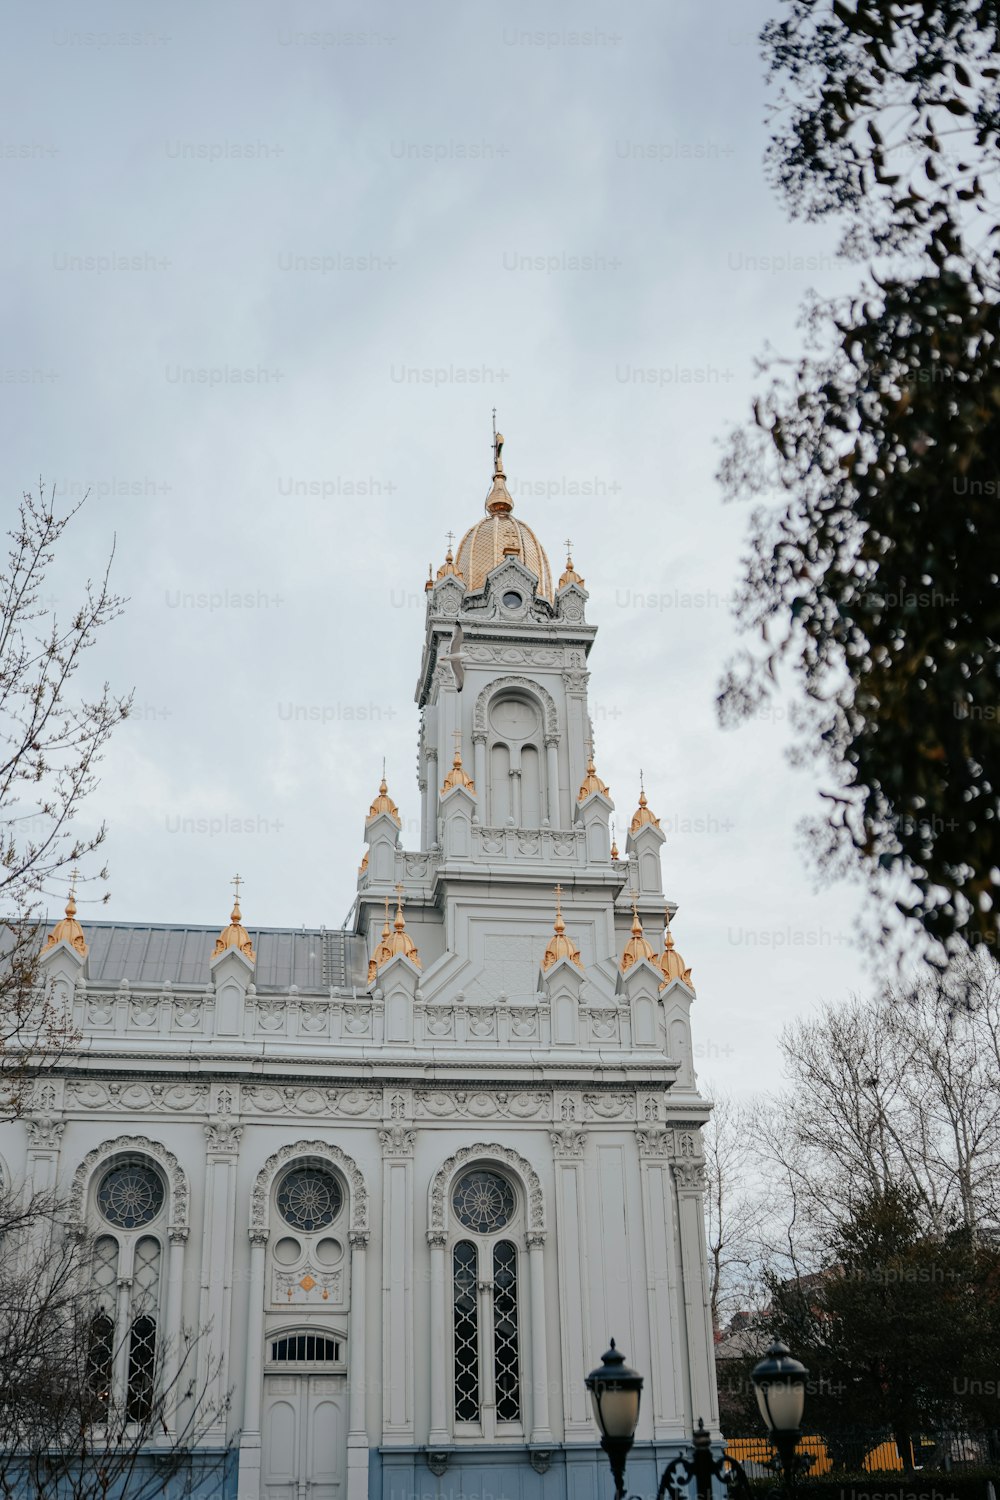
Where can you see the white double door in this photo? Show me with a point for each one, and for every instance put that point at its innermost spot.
(304, 1440)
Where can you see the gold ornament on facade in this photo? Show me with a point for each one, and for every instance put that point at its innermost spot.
(384, 804)
(570, 575)
(458, 776)
(670, 961)
(362, 867)
(591, 782)
(235, 935)
(401, 942)
(637, 946)
(642, 814)
(383, 952)
(560, 946)
(68, 929)
(501, 535)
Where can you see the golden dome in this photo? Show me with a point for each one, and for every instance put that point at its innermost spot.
(560, 946)
(235, 935)
(401, 942)
(384, 804)
(591, 782)
(383, 952)
(458, 776)
(486, 545)
(570, 575)
(448, 567)
(68, 930)
(671, 963)
(642, 816)
(636, 947)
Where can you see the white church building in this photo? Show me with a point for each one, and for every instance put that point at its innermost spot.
(413, 1174)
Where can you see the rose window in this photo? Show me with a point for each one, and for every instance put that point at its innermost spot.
(130, 1195)
(309, 1198)
(483, 1201)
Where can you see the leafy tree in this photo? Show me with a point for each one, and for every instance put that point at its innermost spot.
(52, 738)
(874, 580)
(894, 1328)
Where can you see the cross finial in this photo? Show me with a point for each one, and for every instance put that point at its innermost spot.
(569, 545)
(383, 769)
(399, 889)
(74, 876)
(642, 787)
(558, 898)
(236, 882)
(450, 535)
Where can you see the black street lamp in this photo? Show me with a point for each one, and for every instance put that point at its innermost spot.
(615, 1392)
(779, 1382)
(780, 1386)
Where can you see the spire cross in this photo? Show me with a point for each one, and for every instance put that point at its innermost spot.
(569, 545)
(399, 889)
(74, 876)
(450, 535)
(635, 900)
(236, 882)
(387, 911)
(558, 898)
(456, 735)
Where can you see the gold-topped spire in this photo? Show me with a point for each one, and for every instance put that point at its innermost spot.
(560, 946)
(670, 961)
(614, 841)
(401, 942)
(591, 782)
(68, 929)
(642, 814)
(458, 776)
(384, 804)
(430, 578)
(637, 946)
(448, 568)
(570, 575)
(383, 952)
(498, 501)
(235, 935)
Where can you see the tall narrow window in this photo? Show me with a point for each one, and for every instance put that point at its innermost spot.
(466, 1334)
(101, 1340)
(505, 1332)
(142, 1342)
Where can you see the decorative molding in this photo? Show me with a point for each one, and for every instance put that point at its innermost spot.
(259, 1236)
(270, 1100)
(358, 1239)
(437, 1239)
(131, 1145)
(441, 1104)
(567, 1143)
(162, 1097)
(485, 1152)
(397, 1141)
(609, 1106)
(540, 1459)
(654, 1141)
(178, 1236)
(223, 1135)
(522, 684)
(534, 1238)
(323, 1151)
(44, 1133)
(689, 1176)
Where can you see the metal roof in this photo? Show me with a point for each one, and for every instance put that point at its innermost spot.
(152, 952)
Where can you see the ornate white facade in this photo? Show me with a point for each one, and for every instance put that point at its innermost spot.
(413, 1191)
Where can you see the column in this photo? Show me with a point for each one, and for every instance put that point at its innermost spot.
(665, 1323)
(689, 1178)
(540, 1432)
(357, 1425)
(173, 1319)
(397, 1284)
(575, 1323)
(223, 1139)
(431, 793)
(479, 774)
(552, 777)
(515, 797)
(250, 1441)
(123, 1338)
(439, 1435)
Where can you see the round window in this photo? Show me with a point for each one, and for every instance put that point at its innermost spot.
(483, 1201)
(309, 1198)
(512, 600)
(130, 1195)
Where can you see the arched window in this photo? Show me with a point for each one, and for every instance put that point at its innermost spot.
(129, 1200)
(516, 767)
(485, 1290)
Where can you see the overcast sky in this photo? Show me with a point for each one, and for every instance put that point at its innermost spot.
(395, 216)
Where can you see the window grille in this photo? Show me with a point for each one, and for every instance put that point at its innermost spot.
(130, 1195)
(466, 1333)
(483, 1201)
(309, 1198)
(505, 1361)
(305, 1348)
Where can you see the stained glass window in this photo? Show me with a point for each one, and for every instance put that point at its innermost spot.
(309, 1198)
(466, 1333)
(483, 1201)
(130, 1195)
(508, 1391)
(142, 1344)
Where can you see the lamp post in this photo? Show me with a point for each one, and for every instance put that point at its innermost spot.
(780, 1387)
(615, 1393)
(779, 1383)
